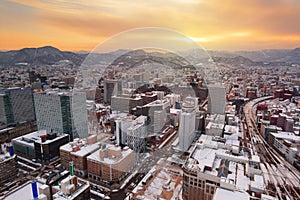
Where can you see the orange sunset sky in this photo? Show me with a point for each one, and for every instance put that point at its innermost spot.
(215, 24)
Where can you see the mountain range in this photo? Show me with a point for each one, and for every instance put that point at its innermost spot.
(50, 55)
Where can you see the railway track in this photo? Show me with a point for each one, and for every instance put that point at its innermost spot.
(283, 175)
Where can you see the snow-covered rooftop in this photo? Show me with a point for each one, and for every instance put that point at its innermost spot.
(223, 194)
(110, 159)
(83, 151)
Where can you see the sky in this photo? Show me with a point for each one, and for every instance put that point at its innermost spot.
(214, 24)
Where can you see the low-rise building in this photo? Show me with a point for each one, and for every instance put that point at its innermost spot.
(39, 145)
(8, 165)
(71, 188)
(211, 166)
(78, 151)
(214, 129)
(110, 163)
(286, 143)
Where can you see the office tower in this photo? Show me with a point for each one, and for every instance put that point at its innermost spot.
(62, 112)
(216, 99)
(111, 88)
(32, 76)
(159, 120)
(157, 113)
(16, 106)
(6, 116)
(122, 125)
(187, 126)
(137, 135)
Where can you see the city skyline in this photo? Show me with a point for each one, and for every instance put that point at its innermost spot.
(213, 25)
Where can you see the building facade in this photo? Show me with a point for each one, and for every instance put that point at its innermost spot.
(39, 146)
(110, 164)
(186, 132)
(16, 106)
(78, 151)
(216, 99)
(111, 88)
(8, 169)
(62, 112)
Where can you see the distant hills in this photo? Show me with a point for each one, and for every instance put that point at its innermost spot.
(273, 55)
(50, 55)
(138, 57)
(39, 56)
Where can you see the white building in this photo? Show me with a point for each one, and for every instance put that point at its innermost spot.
(214, 129)
(187, 126)
(62, 112)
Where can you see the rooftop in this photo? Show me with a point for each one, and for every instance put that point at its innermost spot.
(211, 125)
(84, 150)
(35, 136)
(112, 154)
(223, 194)
(212, 157)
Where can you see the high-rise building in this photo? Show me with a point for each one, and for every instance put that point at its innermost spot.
(137, 135)
(16, 106)
(216, 99)
(157, 113)
(111, 88)
(122, 125)
(187, 126)
(62, 112)
(6, 116)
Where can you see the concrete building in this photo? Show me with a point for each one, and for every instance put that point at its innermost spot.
(78, 151)
(16, 106)
(121, 129)
(286, 143)
(216, 99)
(8, 165)
(120, 103)
(112, 87)
(157, 113)
(215, 118)
(39, 145)
(211, 166)
(110, 164)
(62, 112)
(214, 129)
(137, 135)
(71, 188)
(187, 124)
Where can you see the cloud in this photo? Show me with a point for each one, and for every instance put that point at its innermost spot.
(213, 23)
